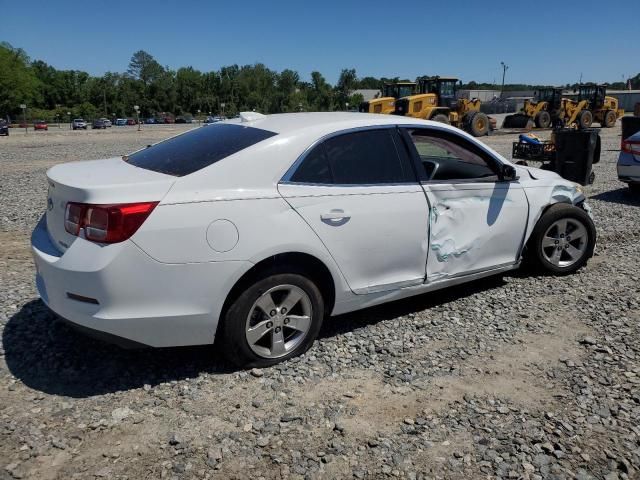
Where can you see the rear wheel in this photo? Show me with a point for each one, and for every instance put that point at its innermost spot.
(440, 117)
(275, 318)
(609, 119)
(585, 119)
(563, 240)
(477, 124)
(543, 119)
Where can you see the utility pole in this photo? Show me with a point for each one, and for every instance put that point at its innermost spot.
(24, 117)
(505, 67)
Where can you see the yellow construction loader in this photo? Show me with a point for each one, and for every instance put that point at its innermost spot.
(544, 110)
(385, 104)
(601, 108)
(437, 100)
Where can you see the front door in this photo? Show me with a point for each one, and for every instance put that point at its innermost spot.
(477, 221)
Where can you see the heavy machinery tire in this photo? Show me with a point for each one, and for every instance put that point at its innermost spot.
(477, 124)
(441, 117)
(609, 119)
(543, 119)
(585, 119)
(562, 240)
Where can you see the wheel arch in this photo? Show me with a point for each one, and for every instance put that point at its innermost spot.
(541, 212)
(288, 262)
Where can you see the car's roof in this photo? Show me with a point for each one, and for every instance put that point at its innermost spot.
(330, 121)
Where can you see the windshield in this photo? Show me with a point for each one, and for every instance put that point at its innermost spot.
(197, 149)
(405, 90)
(448, 89)
(587, 92)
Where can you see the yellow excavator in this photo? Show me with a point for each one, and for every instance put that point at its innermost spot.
(600, 107)
(437, 100)
(385, 104)
(544, 110)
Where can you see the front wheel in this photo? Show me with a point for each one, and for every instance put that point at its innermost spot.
(609, 119)
(563, 240)
(543, 119)
(585, 119)
(478, 124)
(275, 318)
(441, 117)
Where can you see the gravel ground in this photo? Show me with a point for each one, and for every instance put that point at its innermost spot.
(518, 376)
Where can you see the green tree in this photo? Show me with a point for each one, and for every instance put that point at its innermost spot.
(346, 84)
(18, 83)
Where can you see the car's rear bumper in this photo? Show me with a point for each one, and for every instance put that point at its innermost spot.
(628, 168)
(120, 291)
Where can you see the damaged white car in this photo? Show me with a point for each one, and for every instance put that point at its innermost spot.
(251, 231)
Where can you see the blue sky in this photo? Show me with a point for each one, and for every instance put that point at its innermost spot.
(560, 40)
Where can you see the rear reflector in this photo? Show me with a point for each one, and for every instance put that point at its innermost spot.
(106, 223)
(82, 298)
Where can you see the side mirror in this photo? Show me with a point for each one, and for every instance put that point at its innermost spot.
(508, 173)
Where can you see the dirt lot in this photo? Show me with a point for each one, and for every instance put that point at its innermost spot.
(519, 376)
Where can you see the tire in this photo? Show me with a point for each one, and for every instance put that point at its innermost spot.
(543, 119)
(542, 249)
(244, 313)
(441, 117)
(585, 119)
(477, 124)
(634, 188)
(609, 119)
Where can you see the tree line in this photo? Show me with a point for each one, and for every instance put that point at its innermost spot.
(49, 92)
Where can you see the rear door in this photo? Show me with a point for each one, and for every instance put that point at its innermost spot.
(477, 220)
(359, 193)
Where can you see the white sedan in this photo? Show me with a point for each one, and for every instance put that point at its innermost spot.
(250, 231)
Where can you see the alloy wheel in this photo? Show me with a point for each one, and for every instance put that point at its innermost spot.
(278, 321)
(565, 242)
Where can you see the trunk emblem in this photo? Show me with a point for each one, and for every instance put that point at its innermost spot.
(49, 203)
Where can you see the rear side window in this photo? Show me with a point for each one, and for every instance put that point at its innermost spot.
(365, 158)
(197, 149)
(314, 168)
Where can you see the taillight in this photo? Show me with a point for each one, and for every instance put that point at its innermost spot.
(106, 223)
(631, 146)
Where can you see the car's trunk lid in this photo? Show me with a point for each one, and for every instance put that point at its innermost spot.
(101, 182)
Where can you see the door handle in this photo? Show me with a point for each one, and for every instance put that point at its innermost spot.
(336, 214)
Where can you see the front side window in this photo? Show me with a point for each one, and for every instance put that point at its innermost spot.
(198, 148)
(445, 158)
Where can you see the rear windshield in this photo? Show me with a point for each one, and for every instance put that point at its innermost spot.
(204, 146)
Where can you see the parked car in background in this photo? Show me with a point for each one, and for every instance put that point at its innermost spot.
(120, 122)
(40, 125)
(98, 123)
(270, 223)
(4, 128)
(107, 122)
(150, 121)
(132, 121)
(79, 123)
(629, 162)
